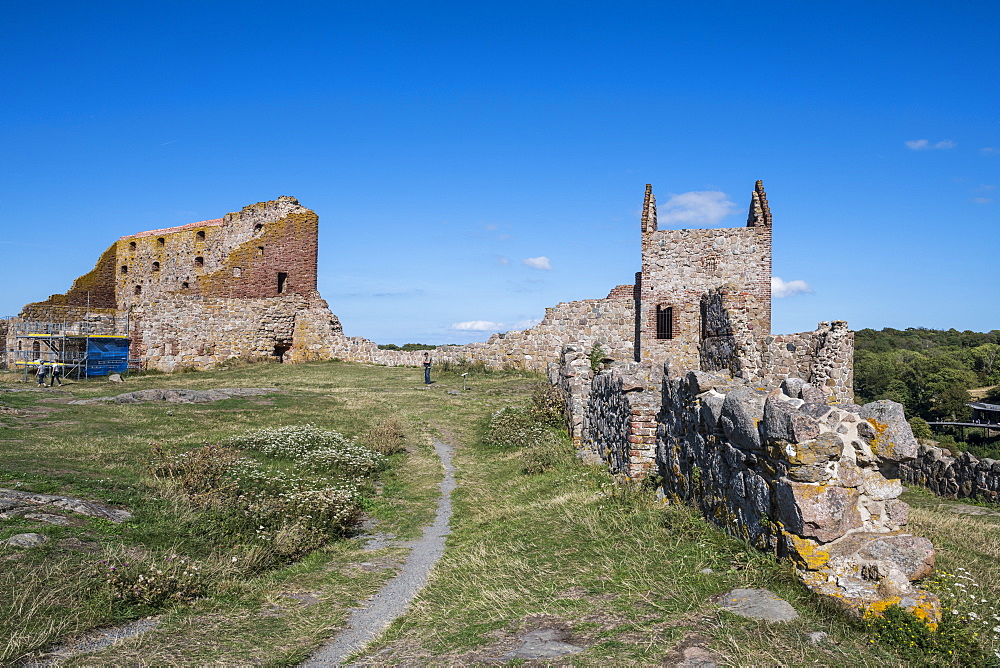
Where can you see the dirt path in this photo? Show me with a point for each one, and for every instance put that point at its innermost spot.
(367, 623)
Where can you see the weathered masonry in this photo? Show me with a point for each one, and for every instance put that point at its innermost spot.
(243, 285)
(702, 300)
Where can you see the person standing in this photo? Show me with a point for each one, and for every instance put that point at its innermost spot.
(427, 368)
(40, 372)
(55, 376)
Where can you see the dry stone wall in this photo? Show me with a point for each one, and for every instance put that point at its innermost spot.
(780, 467)
(961, 477)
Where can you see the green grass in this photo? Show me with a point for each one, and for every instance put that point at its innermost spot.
(567, 548)
(101, 452)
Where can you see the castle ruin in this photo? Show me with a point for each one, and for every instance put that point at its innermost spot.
(243, 285)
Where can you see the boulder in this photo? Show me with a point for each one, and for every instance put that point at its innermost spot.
(742, 412)
(823, 512)
(25, 540)
(887, 432)
(782, 422)
(761, 604)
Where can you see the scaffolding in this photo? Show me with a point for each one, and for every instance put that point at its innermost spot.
(90, 347)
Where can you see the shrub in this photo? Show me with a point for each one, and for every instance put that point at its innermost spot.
(545, 455)
(314, 448)
(146, 581)
(513, 428)
(386, 437)
(951, 644)
(920, 428)
(200, 473)
(596, 355)
(548, 405)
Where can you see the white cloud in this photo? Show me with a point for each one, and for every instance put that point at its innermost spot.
(782, 288)
(540, 262)
(477, 326)
(526, 324)
(982, 200)
(924, 144)
(503, 260)
(699, 207)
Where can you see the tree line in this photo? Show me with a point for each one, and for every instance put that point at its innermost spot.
(929, 371)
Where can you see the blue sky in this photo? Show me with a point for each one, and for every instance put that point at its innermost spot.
(445, 144)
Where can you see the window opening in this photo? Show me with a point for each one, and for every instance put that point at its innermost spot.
(124, 269)
(184, 285)
(664, 322)
(260, 251)
(200, 235)
(257, 228)
(131, 245)
(138, 289)
(282, 279)
(160, 241)
(237, 271)
(156, 266)
(199, 261)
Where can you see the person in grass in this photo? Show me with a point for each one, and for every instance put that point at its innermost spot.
(41, 372)
(427, 368)
(55, 376)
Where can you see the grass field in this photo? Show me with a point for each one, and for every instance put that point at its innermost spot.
(566, 548)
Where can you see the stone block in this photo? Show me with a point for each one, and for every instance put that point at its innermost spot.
(742, 412)
(887, 432)
(823, 512)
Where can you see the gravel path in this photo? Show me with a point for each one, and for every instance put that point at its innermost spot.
(367, 623)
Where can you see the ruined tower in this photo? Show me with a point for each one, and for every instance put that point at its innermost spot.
(701, 284)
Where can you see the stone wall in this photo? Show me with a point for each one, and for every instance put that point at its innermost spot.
(243, 285)
(605, 321)
(777, 466)
(180, 331)
(961, 477)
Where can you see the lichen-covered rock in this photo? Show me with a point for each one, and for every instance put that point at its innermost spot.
(823, 512)
(888, 433)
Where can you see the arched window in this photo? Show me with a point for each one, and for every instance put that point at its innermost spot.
(124, 269)
(199, 261)
(131, 245)
(138, 289)
(199, 235)
(160, 241)
(156, 266)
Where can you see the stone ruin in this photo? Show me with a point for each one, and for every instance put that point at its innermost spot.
(757, 430)
(243, 285)
(778, 466)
